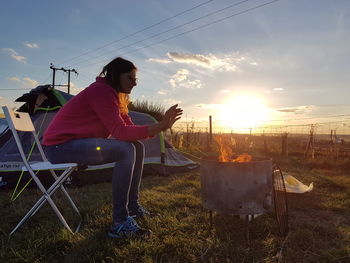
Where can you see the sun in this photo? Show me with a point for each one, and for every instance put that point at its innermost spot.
(244, 111)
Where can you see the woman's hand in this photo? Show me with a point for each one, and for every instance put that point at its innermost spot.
(170, 117)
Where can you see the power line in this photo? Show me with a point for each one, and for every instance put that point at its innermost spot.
(196, 28)
(203, 26)
(166, 31)
(138, 31)
(14, 89)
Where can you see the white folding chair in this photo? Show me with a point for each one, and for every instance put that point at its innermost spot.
(21, 121)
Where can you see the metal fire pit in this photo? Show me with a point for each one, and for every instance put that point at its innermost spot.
(237, 188)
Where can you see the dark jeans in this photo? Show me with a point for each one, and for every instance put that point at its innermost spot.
(127, 172)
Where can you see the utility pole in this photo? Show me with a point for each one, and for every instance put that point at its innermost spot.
(64, 70)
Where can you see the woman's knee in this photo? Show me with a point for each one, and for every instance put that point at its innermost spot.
(126, 151)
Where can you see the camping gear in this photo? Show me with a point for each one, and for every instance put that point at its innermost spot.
(42, 103)
(21, 121)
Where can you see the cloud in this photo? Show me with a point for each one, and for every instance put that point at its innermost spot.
(30, 82)
(296, 110)
(274, 90)
(209, 106)
(14, 79)
(182, 80)
(162, 92)
(228, 62)
(31, 45)
(160, 60)
(15, 55)
(26, 81)
(195, 59)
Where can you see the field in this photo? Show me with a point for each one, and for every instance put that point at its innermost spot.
(319, 221)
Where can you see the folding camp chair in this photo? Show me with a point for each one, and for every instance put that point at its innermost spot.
(21, 121)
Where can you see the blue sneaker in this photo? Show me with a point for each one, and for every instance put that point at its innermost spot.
(141, 212)
(128, 229)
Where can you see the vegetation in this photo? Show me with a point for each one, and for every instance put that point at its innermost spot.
(318, 221)
(153, 109)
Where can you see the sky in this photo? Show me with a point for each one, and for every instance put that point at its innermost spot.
(243, 62)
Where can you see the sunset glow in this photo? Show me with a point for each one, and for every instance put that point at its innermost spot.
(244, 111)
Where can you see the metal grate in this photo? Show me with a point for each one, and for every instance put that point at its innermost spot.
(280, 200)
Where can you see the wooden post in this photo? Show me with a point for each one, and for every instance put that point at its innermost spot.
(181, 141)
(266, 149)
(284, 144)
(336, 146)
(210, 135)
(250, 141)
(331, 143)
(187, 144)
(310, 144)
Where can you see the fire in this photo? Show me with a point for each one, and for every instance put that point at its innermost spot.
(226, 153)
(243, 158)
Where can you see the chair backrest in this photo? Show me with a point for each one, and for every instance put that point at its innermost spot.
(21, 121)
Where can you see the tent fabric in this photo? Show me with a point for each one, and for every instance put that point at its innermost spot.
(160, 157)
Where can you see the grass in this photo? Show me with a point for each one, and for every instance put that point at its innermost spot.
(154, 109)
(319, 226)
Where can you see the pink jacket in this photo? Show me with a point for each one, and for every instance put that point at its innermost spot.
(93, 113)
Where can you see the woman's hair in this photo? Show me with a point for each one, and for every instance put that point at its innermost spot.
(111, 72)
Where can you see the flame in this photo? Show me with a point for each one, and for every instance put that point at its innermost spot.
(226, 152)
(243, 158)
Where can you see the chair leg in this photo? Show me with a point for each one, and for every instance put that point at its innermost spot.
(39, 204)
(47, 197)
(59, 184)
(29, 214)
(59, 214)
(64, 190)
(53, 188)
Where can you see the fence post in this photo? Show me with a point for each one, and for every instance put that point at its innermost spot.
(266, 149)
(336, 146)
(285, 144)
(187, 144)
(310, 144)
(210, 135)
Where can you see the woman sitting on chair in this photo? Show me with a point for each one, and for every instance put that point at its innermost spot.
(94, 128)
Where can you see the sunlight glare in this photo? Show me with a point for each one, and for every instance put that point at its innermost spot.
(244, 111)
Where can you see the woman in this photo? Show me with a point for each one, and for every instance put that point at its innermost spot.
(94, 128)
